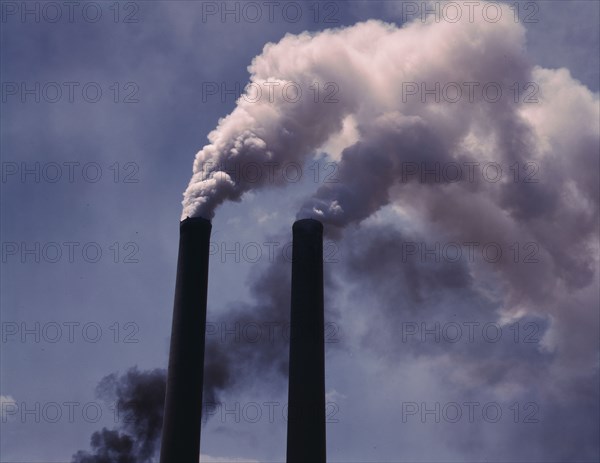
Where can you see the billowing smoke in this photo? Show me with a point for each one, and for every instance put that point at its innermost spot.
(139, 397)
(371, 65)
(393, 182)
(229, 362)
(377, 68)
(250, 344)
(107, 447)
(448, 133)
(537, 128)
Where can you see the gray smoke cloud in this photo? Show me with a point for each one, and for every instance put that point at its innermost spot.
(552, 128)
(374, 65)
(551, 364)
(236, 360)
(549, 133)
(230, 359)
(380, 131)
(139, 397)
(231, 362)
(369, 63)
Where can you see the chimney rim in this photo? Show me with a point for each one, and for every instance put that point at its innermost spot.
(197, 219)
(308, 225)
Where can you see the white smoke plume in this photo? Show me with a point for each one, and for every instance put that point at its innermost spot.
(378, 127)
(553, 123)
(373, 65)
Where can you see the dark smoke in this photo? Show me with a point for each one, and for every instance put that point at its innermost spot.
(558, 213)
(230, 362)
(108, 447)
(139, 396)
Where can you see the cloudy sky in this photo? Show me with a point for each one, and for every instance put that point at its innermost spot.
(451, 150)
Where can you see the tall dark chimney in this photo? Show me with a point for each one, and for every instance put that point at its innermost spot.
(183, 404)
(306, 395)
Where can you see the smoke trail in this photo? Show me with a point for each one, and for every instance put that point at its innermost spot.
(383, 73)
(229, 362)
(371, 63)
(108, 447)
(139, 397)
(251, 346)
(378, 67)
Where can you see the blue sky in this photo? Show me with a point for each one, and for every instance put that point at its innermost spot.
(131, 155)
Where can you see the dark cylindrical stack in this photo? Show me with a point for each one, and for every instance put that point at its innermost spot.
(306, 395)
(183, 404)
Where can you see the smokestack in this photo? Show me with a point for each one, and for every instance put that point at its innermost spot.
(306, 395)
(183, 403)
